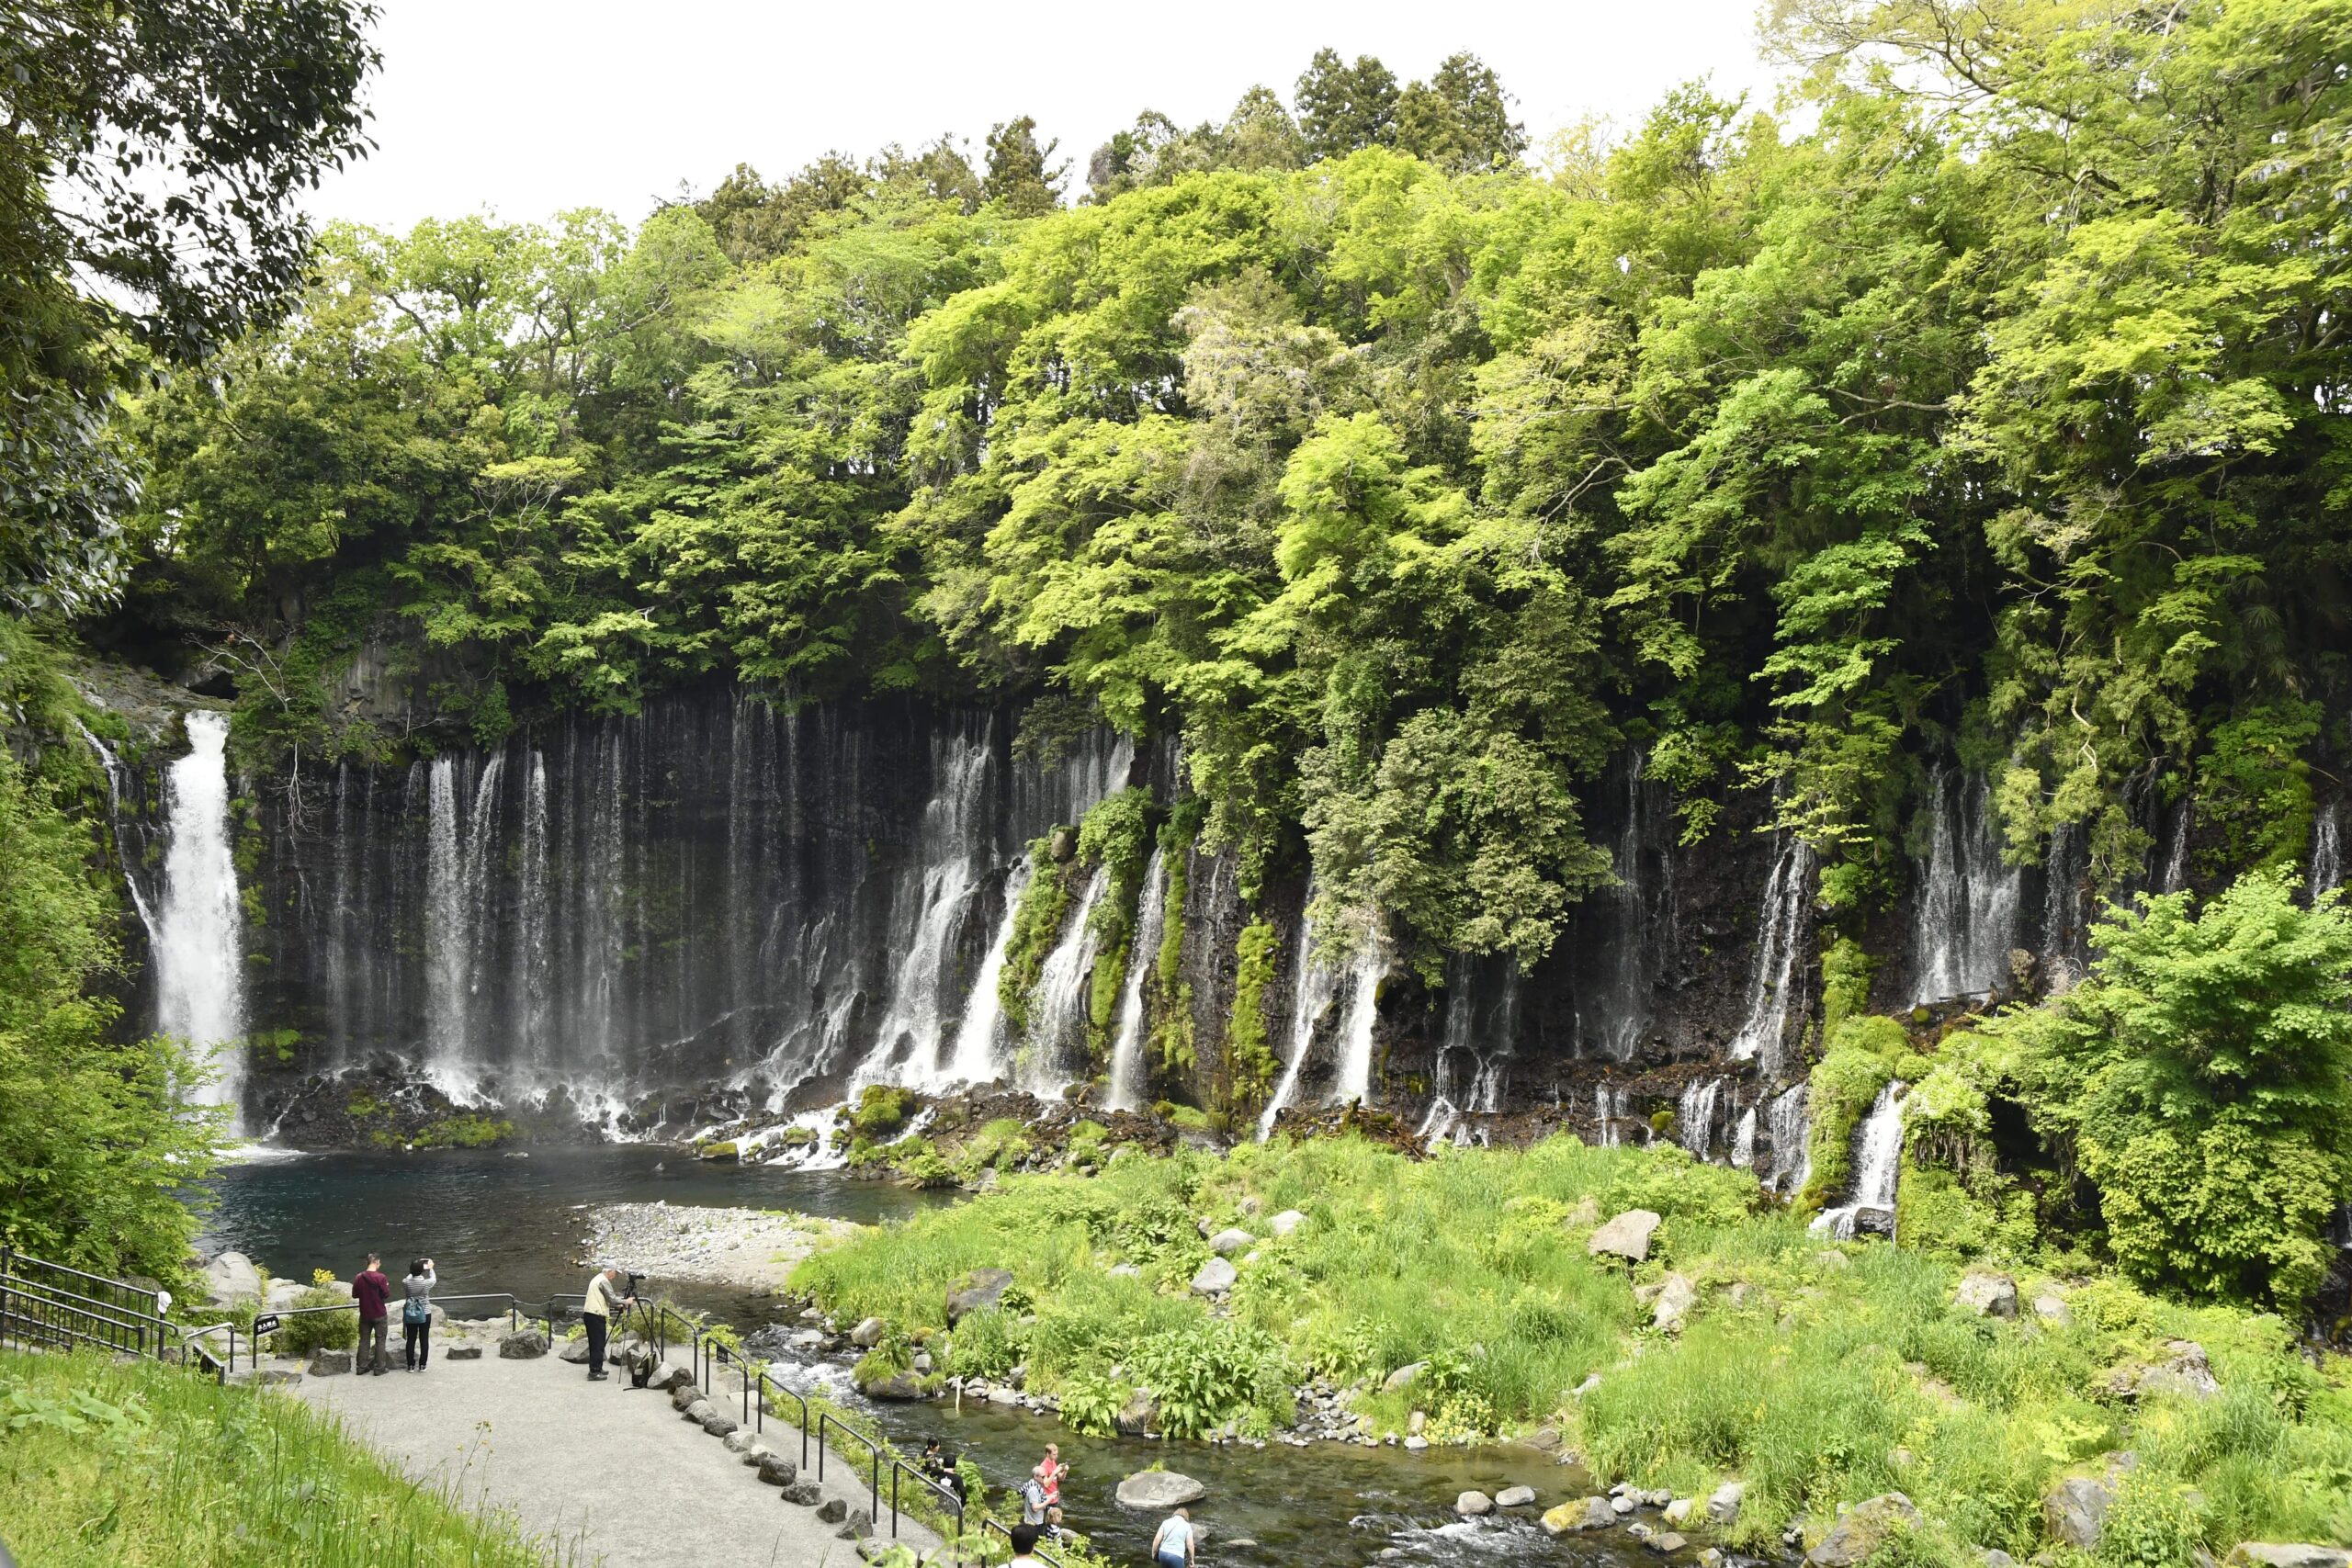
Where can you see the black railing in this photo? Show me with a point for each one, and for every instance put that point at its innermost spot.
(826, 1418)
(990, 1522)
(38, 1312)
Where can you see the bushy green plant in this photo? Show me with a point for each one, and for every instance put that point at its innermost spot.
(1203, 1379)
(1249, 1057)
(1092, 1403)
(1036, 926)
(464, 1132)
(984, 1343)
(335, 1329)
(881, 1111)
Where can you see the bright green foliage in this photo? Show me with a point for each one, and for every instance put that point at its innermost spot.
(464, 1132)
(1036, 926)
(1865, 1056)
(2202, 1078)
(881, 1111)
(1116, 836)
(1250, 1062)
(2254, 789)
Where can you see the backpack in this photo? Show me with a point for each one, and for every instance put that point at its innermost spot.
(417, 1310)
(1033, 1500)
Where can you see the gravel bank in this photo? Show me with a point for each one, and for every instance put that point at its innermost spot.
(718, 1246)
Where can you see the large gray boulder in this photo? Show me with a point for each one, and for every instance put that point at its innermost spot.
(672, 1377)
(981, 1287)
(1587, 1514)
(462, 1353)
(1988, 1295)
(900, 1385)
(2184, 1372)
(699, 1411)
(523, 1345)
(1626, 1236)
(1215, 1277)
(2270, 1554)
(231, 1277)
(832, 1511)
(2075, 1513)
(804, 1494)
(1154, 1490)
(1722, 1504)
(719, 1424)
(1287, 1222)
(1864, 1529)
(868, 1333)
(1674, 1303)
(684, 1394)
(329, 1363)
(574, 1352)
(1231, 1243)
(778, 1470)
(1515, 1497)
(1403, 1377)
(1474, 1504)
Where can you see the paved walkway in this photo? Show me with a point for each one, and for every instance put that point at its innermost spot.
(605, 1473)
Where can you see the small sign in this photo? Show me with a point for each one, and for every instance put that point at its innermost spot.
(265, 1324)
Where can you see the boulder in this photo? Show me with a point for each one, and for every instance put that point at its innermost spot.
(719, 1424)
(1678, 1512)
(1674, 1303)
(1474, 1504)
(523, 1345)
(1226, 1242)
(1138, 1416)
(2052, 1309)
(462, 1353)
(2075, 1513)
(1626, 1236)
(232, 1277)
(1722, 1503)
(1252, 1206)
(684, 1394)
(1515, 1497)
(778, 1470)
(981, 1287)
(1215, 1277)
(1416, 1444)
(701, 1410)
(1666, 1545)
(856, 1527)
(1621, 1505)
(741, 1440)
(2186, 1373)
(805, 1494)
(1587, 1514)
(1988, 1295)
(1155, 1491)
(874, 1549)
(674, 1378)
(574, 1352)
(832, 1511)
(1403, 1377)
(1287, 1222)
(868, 1333)
(899, 1385)
(923, 1363)
(1864, 1529)
(2269, 1554)
(329, 1363)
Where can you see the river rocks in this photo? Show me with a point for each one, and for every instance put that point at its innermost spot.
(1158, 1490)
(719, 1424)
(1515, 1497)
(1626, 1236)
(701, 1410)
(2052, 1309)
(1226, 1242)
(868, 1333)
(1289, 1220)
(1474, 1504)
(523, 1345)
(831, 1511)
(672, 1378)
(1403, 1377)
(1138, 1416)
(856, 1525)
(462, 1353)
(2075, 1513)
(1674, 1303)
(899, 1385)
(979, 1288)
(232, 1277)
(684, 1394)
(778, 1470)
(574, 1352)
(1722, 1504)
(1587, 1514)
(2184, 1372)
(1988, 1295)
(1679, 1511)
(2267, 1554)
(1416, 1443)
(741, 1440)
(329, 1363)
(1665, 1545)
(1215, 1277)
(1864, 1529)
(1621, 1505)
(803, 1493)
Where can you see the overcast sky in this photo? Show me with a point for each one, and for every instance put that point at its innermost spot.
(528, 107)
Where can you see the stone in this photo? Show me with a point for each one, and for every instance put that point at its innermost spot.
(807, 1339)
(1863, 1530)
(803, 1493)
(1416, 1443)
(1215, 1277)
(1994, 1557)
(922, 1362)
(329, 1363)
(1287, 1222)
(1515, 1497)
(1226, 1242)
(574, 1352)
(1474, 1504)
(1674, 1303)
(777, 1470)
(1547, 1439)
(719, 1424)
(1988, 1295)
(1402, 1378)
(873, 1550)
(2186, 1373)
(1155, 1491)
(461, 1352)
(1003, 1395)
(698, 1412)
(1621, 1505)
(523, 1345)
(868, 1334)
(2051, 1308)
(1831, 1258)
(1591, 1381)
(979, 1288)
(856, 1525)
(740, 1441)
(2271, 1554)
(1626, 1236)
(1722, 1503)
(1678, 1512)
(2074, 1512)
(755, 1453)
(1417, 1422)
(1667, 1544)
(682, 1394)
(1138, 1416)
(899, 1385)
(832, 1511)
(1587, 1514)
(232, 1277)
(1251, 1205)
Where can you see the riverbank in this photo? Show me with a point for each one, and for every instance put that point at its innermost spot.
(755, 1247)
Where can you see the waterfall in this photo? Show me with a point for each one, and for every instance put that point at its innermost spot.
(112, 767)
(1058, 1008)
(2327, 850)
(2063, 938)
(1743, 1141)
(1966, 917)
(1878, 1158)
(1791, 1126)
(979, 1053)
(2176, 872)
(199, 951)
(460, 910)
(1127, 1048)
(1694, 1116)
(1623, 935)
(1608, 1108)
(1364, 1014)
(1313, 986)
(532, 992)
(1780, 926)
(924, 997)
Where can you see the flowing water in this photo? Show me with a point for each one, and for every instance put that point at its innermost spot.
(1965, 917)
(2327, 849)
(497, 1223)
(1694, 1117)
(1878, 1156)
(1058, 1013)
(2065, 936)
(198, 925)
(1314, 986)
(1743, 1141)
(1127, 1075)
(1779, 931)
(1364, 974)
(1791, 1127)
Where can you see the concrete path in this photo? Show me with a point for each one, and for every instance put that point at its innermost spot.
(604, 1473)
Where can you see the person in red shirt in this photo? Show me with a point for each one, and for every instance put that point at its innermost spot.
(370, 1290)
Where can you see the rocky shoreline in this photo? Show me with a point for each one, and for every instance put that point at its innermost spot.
(757, 1247)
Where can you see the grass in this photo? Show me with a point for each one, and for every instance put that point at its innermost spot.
(1820, 1375)
(122, 1466)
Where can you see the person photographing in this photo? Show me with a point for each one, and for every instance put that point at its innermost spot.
(596, 1315)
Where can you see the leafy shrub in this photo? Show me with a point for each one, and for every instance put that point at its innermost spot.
(1092, 1403)
(985, 1344)
(1249, 1058)
(881, 1111)
(1204, 1378)
(337, 1330)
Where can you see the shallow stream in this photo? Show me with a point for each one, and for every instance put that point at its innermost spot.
(492, 1223)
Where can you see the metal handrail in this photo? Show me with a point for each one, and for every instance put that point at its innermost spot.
(825, 1417)
(990, 1522)
(68, 1316)
(188, 1336)
(11, 1261)
(949, 1498)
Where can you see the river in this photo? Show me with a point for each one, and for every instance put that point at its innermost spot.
(493, 1221)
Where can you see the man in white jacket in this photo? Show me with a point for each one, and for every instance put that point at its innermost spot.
(596, 1314)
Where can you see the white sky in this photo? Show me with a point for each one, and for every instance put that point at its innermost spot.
(528, 107)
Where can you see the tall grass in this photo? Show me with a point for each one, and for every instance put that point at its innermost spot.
(125, 1466)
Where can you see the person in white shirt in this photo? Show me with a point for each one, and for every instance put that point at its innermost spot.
(1173, 1546)
(596, 1315)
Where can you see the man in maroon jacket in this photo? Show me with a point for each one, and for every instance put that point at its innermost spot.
(370, 1290)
